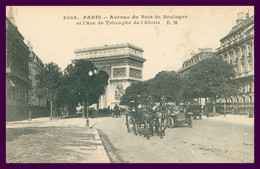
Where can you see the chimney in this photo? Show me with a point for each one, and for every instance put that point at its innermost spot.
(30, 46)
(241, 16)
(30, 49)
(11, 15)
(247, 14)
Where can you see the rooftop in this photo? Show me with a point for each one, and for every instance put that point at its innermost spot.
(97, 48)
(240, 26)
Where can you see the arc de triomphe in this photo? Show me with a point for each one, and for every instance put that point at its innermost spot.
(122, 62)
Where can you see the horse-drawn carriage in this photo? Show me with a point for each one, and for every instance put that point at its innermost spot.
(140, 116)
(152, 118)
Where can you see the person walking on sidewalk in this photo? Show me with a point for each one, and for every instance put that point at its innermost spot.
(29, 115)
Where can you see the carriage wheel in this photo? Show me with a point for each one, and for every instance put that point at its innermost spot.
(171, 122)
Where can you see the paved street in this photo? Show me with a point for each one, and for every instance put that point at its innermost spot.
(211, 140)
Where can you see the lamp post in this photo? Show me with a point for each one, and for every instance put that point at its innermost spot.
(83, 105)
(90, 74)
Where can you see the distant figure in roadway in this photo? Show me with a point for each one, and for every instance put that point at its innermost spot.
(116, 110)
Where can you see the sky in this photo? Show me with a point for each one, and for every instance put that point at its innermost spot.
(165, 46)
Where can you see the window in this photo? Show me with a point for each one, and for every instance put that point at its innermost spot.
(248, 88)
(243, 100)
(243, 52)
(252, 87)
(250, 99)
(30, 70)
(226, 57)
(244, 89)
(241, 68)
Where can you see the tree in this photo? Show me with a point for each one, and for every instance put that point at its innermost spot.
(165, 83)
(49, 83)
(136, 88)
(212, 77)
(82, 86)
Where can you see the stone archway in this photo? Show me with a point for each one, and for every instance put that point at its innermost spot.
(122, 62)
(102, 102)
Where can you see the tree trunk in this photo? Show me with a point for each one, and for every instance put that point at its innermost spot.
(225, 108)
(214, 106)
(51, 111)
(87, 121)
(83, 110)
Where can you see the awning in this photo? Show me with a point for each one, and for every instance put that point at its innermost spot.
(10, 82)
(249, 28)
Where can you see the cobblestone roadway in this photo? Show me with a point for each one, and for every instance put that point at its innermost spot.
(211, 140)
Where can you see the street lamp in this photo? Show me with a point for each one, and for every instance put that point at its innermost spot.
(83, 105)
(90, 73)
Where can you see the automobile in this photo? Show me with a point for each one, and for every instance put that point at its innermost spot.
(179, 117)
(196, 110)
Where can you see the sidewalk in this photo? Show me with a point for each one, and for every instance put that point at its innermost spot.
(239, 119)
(43, 140)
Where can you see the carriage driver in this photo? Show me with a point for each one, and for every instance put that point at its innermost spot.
(135, 104)
(150, 104)
(138, 104)
(163, 104)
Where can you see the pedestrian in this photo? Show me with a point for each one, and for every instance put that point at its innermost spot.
(29, 115)
(116, 110)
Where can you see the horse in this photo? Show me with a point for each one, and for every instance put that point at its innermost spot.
(162, 113)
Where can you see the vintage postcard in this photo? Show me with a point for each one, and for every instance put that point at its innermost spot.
(130, 84)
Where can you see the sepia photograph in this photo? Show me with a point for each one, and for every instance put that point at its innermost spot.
(130, 84)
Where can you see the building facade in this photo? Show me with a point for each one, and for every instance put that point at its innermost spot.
(203, 53)
(35, 66)
(237, 48)
(122, 62)
(17, 71)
